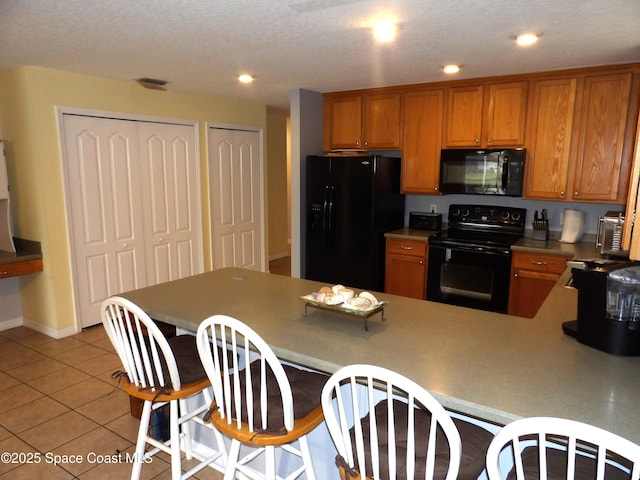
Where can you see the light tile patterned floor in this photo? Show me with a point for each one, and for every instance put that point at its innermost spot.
(57, 398)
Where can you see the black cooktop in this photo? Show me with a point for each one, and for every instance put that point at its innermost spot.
(482, 226)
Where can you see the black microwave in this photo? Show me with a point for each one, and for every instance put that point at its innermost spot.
(482, 171)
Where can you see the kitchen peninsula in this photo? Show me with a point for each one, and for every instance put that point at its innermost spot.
(492, 366)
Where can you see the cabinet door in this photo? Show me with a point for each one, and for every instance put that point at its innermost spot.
(381, 121)
(406, 268)
(549, 133)
(423, 113)
(506, 114)
(600, 138)
(342, 121)
(631, 238)
(464, 116)
(528, 291)
(533, 276)
(405, 275)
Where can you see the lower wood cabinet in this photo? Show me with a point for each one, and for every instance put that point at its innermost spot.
(533, 275)
(406, 268)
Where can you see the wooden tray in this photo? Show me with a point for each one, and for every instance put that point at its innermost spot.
(353, 312)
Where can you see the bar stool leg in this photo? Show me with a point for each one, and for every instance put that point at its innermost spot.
(141, 441)
(176, 469)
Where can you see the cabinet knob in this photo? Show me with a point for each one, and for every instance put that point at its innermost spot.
(477, 141)
(562, 194)
(421, 262)
(575, 194)
(404, 247)
(538, 262)
(515, 274)
(488, 141)
(435, 189)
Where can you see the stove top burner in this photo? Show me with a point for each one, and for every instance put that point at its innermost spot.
(482, 227)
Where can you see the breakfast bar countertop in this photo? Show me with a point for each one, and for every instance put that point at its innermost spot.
(488, 365)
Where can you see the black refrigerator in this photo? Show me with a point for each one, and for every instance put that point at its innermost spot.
(351, 202)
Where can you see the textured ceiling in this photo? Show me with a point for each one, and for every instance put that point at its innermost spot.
(321, 45)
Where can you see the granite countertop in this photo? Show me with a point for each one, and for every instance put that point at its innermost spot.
(484, 364)
(583, 249)
(25, 250)
(410, 234)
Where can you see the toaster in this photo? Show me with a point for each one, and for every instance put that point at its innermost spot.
(425, 221)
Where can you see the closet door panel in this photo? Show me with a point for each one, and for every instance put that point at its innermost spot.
(105, 221)
(171, 199)
(132, 191)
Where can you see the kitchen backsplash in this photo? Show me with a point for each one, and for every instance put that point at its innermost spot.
(423, 203)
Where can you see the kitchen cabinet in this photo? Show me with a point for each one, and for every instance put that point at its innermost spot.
(492, 115)
(631, 234)
(580, 140)
(550, 123)
(368, 121)
(533, 275)
(406, 268)
(601, 172)
(422, 119)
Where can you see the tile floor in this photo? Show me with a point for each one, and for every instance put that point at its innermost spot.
(57, 398)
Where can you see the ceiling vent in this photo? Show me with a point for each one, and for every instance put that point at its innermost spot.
(152, 83)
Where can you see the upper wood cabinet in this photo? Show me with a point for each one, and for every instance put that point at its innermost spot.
(422, 120)
(577, 125)
(362, 121)
(577, 131)
(464, 116)
(600, 139)
(492, 115)
(550, 123)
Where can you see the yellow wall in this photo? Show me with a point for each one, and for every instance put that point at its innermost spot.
(28, 100)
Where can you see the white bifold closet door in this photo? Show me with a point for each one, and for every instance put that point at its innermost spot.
(132, 192)
(235, 177)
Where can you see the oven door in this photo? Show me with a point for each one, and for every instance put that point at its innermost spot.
(469, 277)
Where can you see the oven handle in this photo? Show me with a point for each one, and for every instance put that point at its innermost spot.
(505, 171)
(475, 249)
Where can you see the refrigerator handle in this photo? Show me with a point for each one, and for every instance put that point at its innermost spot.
(329, 217)
(325, 214)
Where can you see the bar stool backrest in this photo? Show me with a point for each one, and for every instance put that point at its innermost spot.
(571, 450)
(145, 354)
(252, 360)
(361, 402)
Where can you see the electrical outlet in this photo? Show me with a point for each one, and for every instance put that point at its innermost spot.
(433, 208)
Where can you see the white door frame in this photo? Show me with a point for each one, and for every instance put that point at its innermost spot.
(60, 112)
(263, 200)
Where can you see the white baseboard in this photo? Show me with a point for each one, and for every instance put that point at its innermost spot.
(51, 332)
(12, 323)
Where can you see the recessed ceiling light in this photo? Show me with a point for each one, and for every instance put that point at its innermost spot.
(246, 78)
(526, 39)
(385, 30)
(450, 69)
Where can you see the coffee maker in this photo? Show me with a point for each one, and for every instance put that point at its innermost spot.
(608, 306)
